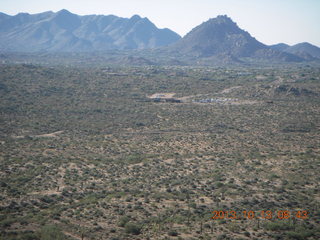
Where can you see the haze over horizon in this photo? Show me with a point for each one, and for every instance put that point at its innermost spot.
(271, 22)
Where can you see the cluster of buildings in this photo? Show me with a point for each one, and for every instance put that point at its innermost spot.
(168, 98)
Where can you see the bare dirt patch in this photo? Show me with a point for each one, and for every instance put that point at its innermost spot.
(161, 95)
(261, 77)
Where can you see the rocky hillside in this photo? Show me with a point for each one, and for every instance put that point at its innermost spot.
(222, 37)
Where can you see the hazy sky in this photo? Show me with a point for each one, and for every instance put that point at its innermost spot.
(269, 21)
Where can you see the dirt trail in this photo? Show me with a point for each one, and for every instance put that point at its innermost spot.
(50, 135)
(73, 235)
(54, 134)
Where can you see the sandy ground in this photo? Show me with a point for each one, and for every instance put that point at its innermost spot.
(261, 77)
(162, 95)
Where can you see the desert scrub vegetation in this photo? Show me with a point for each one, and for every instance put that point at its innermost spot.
(85, 154)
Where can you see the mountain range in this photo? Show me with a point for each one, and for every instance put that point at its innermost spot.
(216, 40)
(65, 31)
(305, 50)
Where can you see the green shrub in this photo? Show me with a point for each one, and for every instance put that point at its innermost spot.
(51, 232)
(123, 221)
(221, 237)
(278, 226)
(29, 236)
(132, 228)
(299, 235)
(173, 233)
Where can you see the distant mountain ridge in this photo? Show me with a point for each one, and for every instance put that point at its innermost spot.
(280, 46)
(216, 41)
(65, 31)
(305, 50)
(221, 38)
